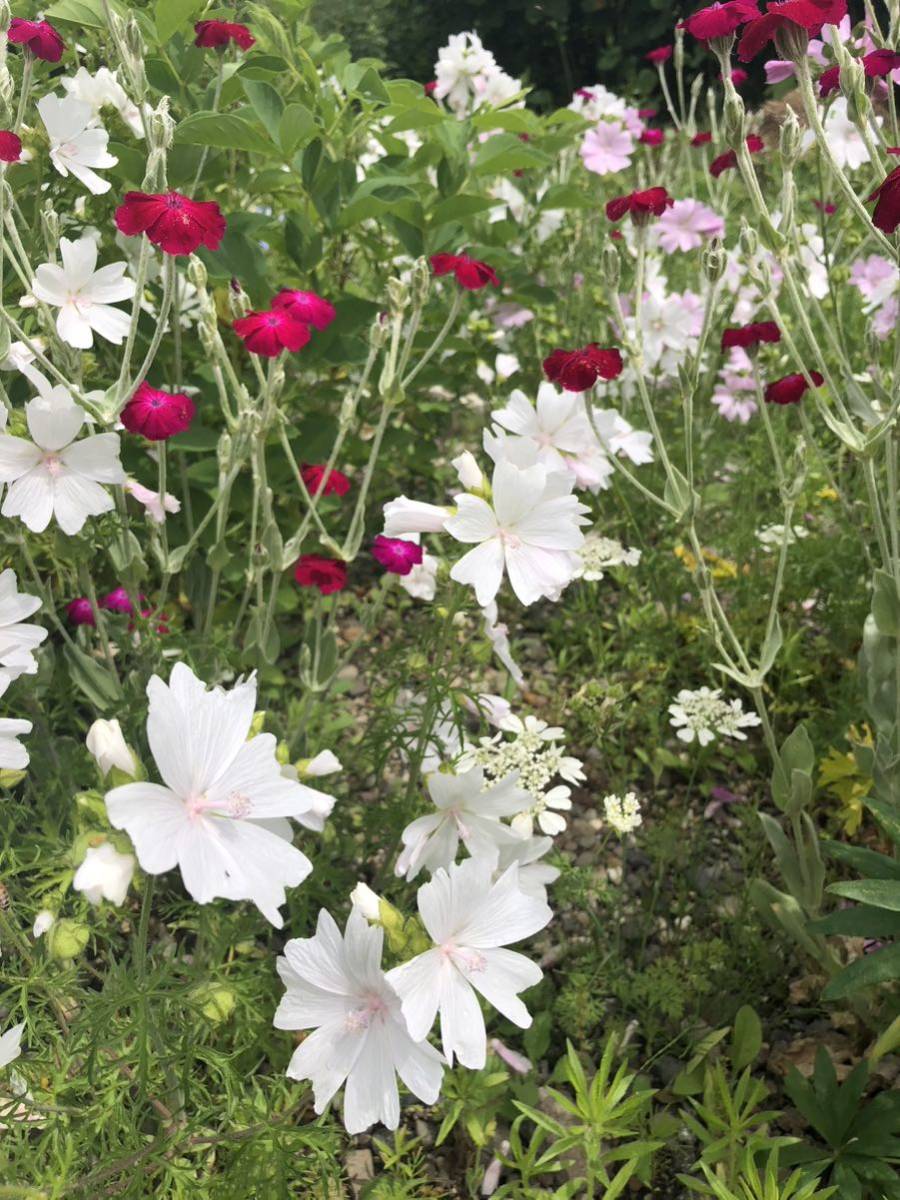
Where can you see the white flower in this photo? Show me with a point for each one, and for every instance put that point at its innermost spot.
(665, 324)
(366, 902)
(335, 986)
(618, 436)
(844, 139)
(770, 537)
(156, 506)
(506, 365)
(534, 876)
(323, 763)
(686, 224)
(600, 553)
(623, 812)
(468, 471)
(546, 813)
(703, 715)
(468, 810)
(421, 582)
(470, 918)
(18, 641)
(107, 745)
(459, 65)
(530, 530)
(413, 516)
(221, 816)
(20, 358)
(42, 922)
(105, 874)
(84, 295)
(498, 635)
(320, 803)
(75, 147)
(103, 90)
(11, 1044)
(53, 475)
(13, 755)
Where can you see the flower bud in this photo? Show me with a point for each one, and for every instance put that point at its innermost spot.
(790, 138)
(678, 56)
(107, 746)
(398, 294)
(238, 301)
(468, 470)
(749, 241)
(9, 778)
(714, 261)
(197, 273)
(611, 264)
(50, 228)
(735, 117)
(5, 16)
(421, 280)
(216, 1001)
(42, 922)
(105, 874)
(67, 939)
(367, 902)
(379, 331)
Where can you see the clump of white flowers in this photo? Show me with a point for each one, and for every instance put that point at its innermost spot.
(704, 715)
(623, 812)
(468, 77)
(599, 553)
(771, 537)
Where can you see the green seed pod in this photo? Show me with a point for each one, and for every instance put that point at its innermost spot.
(67, 939)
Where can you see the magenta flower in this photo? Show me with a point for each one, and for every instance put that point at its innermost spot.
(396, 554)
(306, 307)
(157, 415)
(10, 146)
(268, 333)
(175, 223)
(37, 36)
(79, 611)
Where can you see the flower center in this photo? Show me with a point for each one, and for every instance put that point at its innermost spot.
(510, 540)
(464, 958)
(53, 464)
(372, 1008)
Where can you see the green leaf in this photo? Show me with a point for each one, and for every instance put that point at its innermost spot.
(80, 12)
(885, 604)
(887, 815)
(866, 862)
(504, 153)
(297, 126)
(461, 205)
(746, 1040)
(881, 967)
(170, 15)
(881, 893)
(92, 678)
(860, 921)
(267, 105)
(223, 130)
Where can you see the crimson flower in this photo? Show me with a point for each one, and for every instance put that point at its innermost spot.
(642, 205)
(739, 77)
(747, 337)
(268, 333)
(827, 208)
(578, 370)
(646, 114)
(470, 273)
(217, 34)
(396, 555)
(701, 139)
(10, 146)
(720, 20)
(430, 88)
(802, 14)
(728, 160)
(337, 483)
(661, 54)
(157, 415)
(791, 389)
(829, 81)
(880, 63)
(306, 307)
(652, 137)
(79, 611)
(117, 601)
(895, 150)
(175, 223)
(327, 574)
(39, 37)
(887, 208)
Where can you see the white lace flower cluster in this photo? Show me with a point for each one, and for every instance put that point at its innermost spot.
(18, 642)
(599, 553)
(623, 812)
(468, 77)
(704, 715)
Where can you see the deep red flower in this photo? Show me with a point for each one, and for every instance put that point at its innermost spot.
(652, 137)
(158, 415)
(720, 20)
(117, 601)
(268, 333)
(337, 483)
(175, 223)
(10, 146)
(829, 81)
(887, 208)
(791, 389)
(646, 114)
(827, 208)
(39, 36)
(79, 611)
(739, 77)
(661, 54)
(880, 63)
(470, 273)
(217, 34)
(803, 14)
(327, 574)
(728, 160)
(749, 336)
(430, 87)
(306, 307)
(578, 370)
(701, 139)
(396, 555)
(895, 150)
(642, 205)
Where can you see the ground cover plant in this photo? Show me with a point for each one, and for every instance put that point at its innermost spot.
(449, 613)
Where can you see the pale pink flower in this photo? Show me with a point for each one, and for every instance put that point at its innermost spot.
(155, 506)
(607, 149)
(687, 224)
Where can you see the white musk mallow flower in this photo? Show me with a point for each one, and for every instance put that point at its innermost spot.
(468, 811)
(11, 1044)
(107, 746)
(335, 986)
(84, 295)
(77, 146)
(530, 530)
(104, 875)
(221, 813)
(18, 641)
(53, 475)
(471, 920)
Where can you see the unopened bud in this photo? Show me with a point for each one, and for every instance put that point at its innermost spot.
(379, 331)
(216, 1001)
(66, 939)
(678, 57)
(749, 241)
(238, 301)
(420, 280)
(611, 264)
(5, 16)
(224, 451)
(367, 902)
(714, 260)
(161, 127)
(398, 294)
(197, 273)
(50, 228)
(735, 119)
(790, 138)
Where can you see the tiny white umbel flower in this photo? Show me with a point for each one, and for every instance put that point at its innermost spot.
(221, 813)
(84, 295)
(76, 147)
(105, 874)
(53, 475)
(18, 641)
(530, 530)
(336, 987)
(470, 919)
(704, 715)
(11, 1044)
(623, 812)
(468, 811)
(107, 746)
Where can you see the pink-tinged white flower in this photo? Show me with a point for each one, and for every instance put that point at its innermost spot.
(53, 475)
(334, 985)
(76, 146)
(103, 90)
(421, 582)
(529, 530)
(84, 295)
(886, 319)
(778, 70)
(687, 224)
(735, 393)
(844, 139)
(18, 641)
(221, 813)
(534, 876)
(11, 1044)
(461, 65)
(556, 431)
(468, 811)
(876, 278)
(498, 635)
(402, 516)
(107, 746)
(607, 148)
(471, 920)
(156, 506)
(105, 874)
